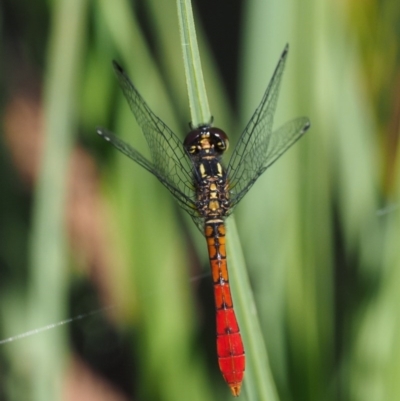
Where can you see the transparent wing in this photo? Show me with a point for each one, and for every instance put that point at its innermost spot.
(258, 146)
(268, 151)
(170, 162)
(186, 202)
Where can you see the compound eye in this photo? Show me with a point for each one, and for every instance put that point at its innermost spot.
(220, 139)
(192, 140)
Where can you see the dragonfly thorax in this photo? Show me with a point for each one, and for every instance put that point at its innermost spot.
(211, 188)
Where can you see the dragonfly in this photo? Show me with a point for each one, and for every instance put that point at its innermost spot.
(193, 172)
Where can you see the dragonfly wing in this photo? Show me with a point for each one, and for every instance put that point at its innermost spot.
(258, 146)
(276, 144)
(171, 164)
(186, 202)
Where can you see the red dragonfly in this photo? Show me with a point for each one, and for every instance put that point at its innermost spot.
(195, 176)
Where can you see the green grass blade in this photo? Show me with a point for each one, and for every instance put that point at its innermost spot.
(48, 255)
(259, 383)
(199, 109)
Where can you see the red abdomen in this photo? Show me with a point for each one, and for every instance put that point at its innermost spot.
(230, 349)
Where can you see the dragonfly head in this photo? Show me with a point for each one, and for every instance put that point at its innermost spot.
(206, 140)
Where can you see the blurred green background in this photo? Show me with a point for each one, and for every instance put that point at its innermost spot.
(83, 228)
